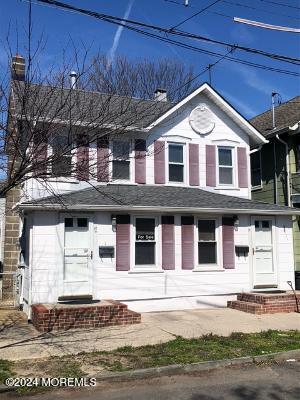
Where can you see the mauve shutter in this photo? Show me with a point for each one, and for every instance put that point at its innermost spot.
(82, 158)
(102, 160)
(242, 167)
(159, 161)
(187, 242)
(228, 243)
(194, 164)
(168, 242)
(140, 161)
(123, 243)
(210, 165)
(40, 164)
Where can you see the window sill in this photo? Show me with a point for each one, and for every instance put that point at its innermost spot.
(146, 271)
(63, 180)
(254, 188)
(227, 188)
(208, 269)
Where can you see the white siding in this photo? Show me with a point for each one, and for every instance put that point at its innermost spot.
(162, 290)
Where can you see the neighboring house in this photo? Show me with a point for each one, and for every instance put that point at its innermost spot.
(170, 225)
(275, 167)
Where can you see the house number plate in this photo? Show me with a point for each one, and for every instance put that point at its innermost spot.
(145, 236)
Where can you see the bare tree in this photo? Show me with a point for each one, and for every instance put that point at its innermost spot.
(48, 123)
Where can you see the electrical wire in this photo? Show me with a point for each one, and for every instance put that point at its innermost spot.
(197, 13)
(280, 4)
(137, 25)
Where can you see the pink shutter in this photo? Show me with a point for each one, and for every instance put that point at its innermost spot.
(102, 160)
(242, 167)
(140, 161)
(159, 162)
(123, 243)
(187, 242)
(210, 165)
(82, 158)
(194, 164)
(168, 242)
(40, 162)
(228, 243)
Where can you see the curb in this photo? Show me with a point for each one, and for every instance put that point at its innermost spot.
(180, 369)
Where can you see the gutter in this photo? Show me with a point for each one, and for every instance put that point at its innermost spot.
(157, 209)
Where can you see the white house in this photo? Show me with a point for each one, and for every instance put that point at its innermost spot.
(171, 225)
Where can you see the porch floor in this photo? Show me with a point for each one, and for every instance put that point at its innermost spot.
(156, 327)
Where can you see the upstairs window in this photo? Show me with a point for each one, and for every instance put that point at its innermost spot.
(225, 159)
(176, 166)
(207, 244)
(256, 169)
(121, 161)
(62, 157)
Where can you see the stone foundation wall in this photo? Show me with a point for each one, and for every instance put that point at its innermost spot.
(46, 318)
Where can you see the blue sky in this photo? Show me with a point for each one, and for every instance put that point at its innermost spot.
(248, 89)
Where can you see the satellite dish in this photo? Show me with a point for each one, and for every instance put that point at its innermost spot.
(201, 119)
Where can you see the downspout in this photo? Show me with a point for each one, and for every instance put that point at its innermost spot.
(287, 168)
(275, 174)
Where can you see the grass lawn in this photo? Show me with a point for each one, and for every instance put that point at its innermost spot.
(177, 351)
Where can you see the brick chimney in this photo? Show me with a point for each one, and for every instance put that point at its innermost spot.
(18, 68)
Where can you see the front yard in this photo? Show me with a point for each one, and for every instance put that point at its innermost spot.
(177, 351)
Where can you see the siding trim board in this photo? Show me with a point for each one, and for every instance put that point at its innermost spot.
(159, 162)
(187, 242)
(168, 242)
(228, 243)
(210, 165)
(140, 161)
(123, 243)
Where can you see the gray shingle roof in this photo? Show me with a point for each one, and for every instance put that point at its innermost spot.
(152, 196)
(50, 102)
(286, 114)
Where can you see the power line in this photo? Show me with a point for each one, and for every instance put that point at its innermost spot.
(121, 21)
(194, 15)
(280, 4)
(251, 7)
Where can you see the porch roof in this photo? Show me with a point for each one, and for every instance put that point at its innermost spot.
(118, 198)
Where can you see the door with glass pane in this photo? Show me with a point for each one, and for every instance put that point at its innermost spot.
(77, 256)
(264, 268)
(145, 242)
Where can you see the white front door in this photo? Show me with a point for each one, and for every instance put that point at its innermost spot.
(77, 261)
(264, 267)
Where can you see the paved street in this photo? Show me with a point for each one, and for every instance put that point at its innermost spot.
(273, 382)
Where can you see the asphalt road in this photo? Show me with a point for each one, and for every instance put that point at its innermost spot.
(272, 382)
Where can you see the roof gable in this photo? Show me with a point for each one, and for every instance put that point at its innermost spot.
(213, 95)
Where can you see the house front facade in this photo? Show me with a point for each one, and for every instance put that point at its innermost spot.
(275, 166)
(166, 221)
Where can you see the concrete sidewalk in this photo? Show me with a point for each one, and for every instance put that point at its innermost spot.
(22, 341)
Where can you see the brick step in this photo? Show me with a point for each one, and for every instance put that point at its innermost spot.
(256, 308)
(246, 306)
(265, 298)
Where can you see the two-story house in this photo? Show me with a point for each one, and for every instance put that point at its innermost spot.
(169, 224)
(275, 166)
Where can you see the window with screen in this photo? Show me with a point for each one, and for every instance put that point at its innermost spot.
(256, 169)
(207, 244)
(62, 157)
(225, 160)
(176, 165)
(121, 161)
(145, 241)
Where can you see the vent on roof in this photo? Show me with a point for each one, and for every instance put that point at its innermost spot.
(202, 120)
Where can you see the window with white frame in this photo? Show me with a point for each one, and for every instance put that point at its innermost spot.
(176, 163)
(145, 243)
(207, 242)
(256, 169)
(121, 161)
(225, 163)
